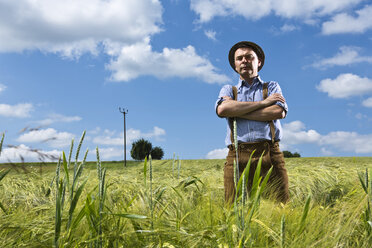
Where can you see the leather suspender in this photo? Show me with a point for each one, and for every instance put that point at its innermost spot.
(264, 95)
(235, 97)
(272, 128)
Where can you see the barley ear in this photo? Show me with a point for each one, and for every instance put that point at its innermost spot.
(304, 214)
(70, 153)
(282, 231)
(1, 142)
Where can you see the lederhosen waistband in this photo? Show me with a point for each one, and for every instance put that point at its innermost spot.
(251, 145)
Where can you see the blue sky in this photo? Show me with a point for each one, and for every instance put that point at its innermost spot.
(67, 66)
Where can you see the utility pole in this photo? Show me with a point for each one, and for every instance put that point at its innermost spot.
(124, 112)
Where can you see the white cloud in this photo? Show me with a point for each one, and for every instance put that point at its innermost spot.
(361, 116)
(73, 27)
(109, 140)
(110, 153)
(21, 110)
(288, 28)
(367, 103)
(294, 133)
(139, 59)
(210, 34)
(15, 154)
(345, 85)
(217, 154)
(348, 141)
(326, 152)
(112, 138)
(58, 118)
(49, 135)
(2, 87)
(253, 10)
(345, 23)
(347, 56)
(121, 29)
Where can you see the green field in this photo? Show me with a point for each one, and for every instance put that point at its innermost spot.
(182, 207)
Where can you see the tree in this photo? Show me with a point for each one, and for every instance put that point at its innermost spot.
(288, 154)
(157, 153)
(296, 155)
(140, 149)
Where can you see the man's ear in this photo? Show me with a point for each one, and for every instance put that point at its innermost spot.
(259, 62)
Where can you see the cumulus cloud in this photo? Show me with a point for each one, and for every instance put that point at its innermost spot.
(121, 29)
(110, 153)
(346, 85)
(348, 141)
(73, 27)
(217, 154)
(361, 116)
(253, 10)
(139, 59)
(288, 28)
(210, 34)
(295, 133)
(24, 153)
(21, 110)
(347, 56)
(367, 103)
(345, 23)
(54, 118)
(49, 135)
(2, 87)
(326, 152)
(112, 138)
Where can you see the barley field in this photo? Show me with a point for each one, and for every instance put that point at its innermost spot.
(179, 203)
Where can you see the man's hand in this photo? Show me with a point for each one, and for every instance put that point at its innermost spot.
(232, 108)
(272, 99)
(226, 98)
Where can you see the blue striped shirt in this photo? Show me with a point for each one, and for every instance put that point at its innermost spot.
(249, 130)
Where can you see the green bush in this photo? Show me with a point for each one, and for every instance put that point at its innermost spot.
(140, 149)
(157, 153)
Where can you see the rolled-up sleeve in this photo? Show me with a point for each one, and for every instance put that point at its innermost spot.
(274, 87)
(225, 91)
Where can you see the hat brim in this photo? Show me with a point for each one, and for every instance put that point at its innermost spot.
(256, 48)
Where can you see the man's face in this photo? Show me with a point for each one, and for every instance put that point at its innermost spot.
(246, 62)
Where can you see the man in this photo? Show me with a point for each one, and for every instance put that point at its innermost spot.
(258, 125)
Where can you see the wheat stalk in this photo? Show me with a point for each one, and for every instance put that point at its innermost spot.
(151, 207)
(58, 216)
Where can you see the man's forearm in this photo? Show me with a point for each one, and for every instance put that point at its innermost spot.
(270, 113)
(231, 108)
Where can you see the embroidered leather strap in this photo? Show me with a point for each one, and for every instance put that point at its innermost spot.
(272, 127)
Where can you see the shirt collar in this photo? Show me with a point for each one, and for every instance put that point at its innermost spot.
(255, 80)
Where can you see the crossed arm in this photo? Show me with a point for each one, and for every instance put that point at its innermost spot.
(265, 110)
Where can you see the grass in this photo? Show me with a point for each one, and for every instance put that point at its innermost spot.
(118, 208)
